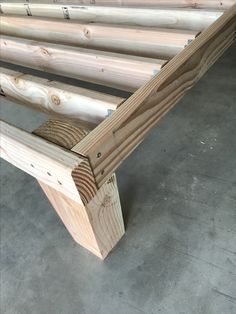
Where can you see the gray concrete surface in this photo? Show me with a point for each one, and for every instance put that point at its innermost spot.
(178, 193)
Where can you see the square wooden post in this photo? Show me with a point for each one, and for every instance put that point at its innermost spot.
(96, 221)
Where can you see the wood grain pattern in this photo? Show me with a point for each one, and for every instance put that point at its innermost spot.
(98, 223)
(46, 162)
(66, 135)
(74, 217)
(105, 68)
(105, 212)
(61, 133)
(136, 40)
(215, 4)
(225, 4)
(191, 19)
(118, 135)
(76, 104)
(98, 226)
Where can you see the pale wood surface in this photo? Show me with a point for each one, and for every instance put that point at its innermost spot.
(191, 19)
(81, 105)
(136, 40)
(42, 160)
(118, 135)
(98, 223)
(66, 135)
(61, 133)
(216, 4)
(106, 214)
(98, 226)
(114, 70)
(74, 217)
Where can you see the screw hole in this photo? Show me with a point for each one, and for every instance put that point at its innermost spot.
(59, 182)
(48, 173)
(99, 155)
(32, 165)
(102, 172)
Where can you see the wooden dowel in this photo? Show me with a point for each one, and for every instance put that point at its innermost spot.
(110, 69)
(147, 42)
(215, 4)
(191, 19)
(81, 105)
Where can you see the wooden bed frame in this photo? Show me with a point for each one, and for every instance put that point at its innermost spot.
(157, 50)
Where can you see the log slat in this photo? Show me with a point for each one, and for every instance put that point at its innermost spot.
(146, 42)
(215, 4)
(191, 19)
(115, 70)
(81, 105)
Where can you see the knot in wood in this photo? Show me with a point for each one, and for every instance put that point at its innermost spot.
(45, 51)
(56, 100)
(86, 33)
(106, 201)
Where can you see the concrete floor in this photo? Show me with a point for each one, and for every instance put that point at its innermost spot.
(178, 193)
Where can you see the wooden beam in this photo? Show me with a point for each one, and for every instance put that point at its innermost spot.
(145, 42)
(73, 103)
(44, 161)
(110, 69)
(116, 137)
(215, 4)
(191, 19)
(98, 223)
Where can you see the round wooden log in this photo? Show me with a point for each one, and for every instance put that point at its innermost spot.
(191, 19)
(115, 70)
(84, 106)
(215, 4)
(146, 42)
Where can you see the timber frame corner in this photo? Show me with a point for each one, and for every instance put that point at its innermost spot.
(74, 167)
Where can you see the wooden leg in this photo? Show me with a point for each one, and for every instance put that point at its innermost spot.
(97, 226)
(96, 223)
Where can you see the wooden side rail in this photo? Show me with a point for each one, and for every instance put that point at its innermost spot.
(48, 163)
(105, 68)
(191, 19)
(116, 137)
(83, 106)
(92, 216)
(145, 42)
(215, 4)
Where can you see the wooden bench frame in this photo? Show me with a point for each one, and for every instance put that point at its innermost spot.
(76, 169)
